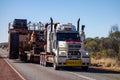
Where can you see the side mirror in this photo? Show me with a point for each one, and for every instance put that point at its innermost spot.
(83, 26)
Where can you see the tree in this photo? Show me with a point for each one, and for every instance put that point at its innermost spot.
(92, 45)
(114, 28)
(115, 39)
(106, 47)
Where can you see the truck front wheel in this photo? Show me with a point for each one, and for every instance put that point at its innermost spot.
(85, 68)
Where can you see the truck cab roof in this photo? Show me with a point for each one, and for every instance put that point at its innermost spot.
(65, 27)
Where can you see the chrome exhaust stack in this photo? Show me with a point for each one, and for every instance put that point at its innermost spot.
(78, 24)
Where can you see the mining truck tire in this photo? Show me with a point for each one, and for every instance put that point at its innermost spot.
(13, 45)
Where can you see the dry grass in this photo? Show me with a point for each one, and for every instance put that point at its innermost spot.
(107, 63)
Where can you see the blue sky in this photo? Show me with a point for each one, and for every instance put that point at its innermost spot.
(97, 15)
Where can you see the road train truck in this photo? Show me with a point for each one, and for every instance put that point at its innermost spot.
(64, 46)
(61, 45)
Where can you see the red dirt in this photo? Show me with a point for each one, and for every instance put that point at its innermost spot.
(6, 72)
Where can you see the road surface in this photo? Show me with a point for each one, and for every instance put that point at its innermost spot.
(32, 71)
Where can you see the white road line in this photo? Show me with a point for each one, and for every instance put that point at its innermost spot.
(15, 70)
(13, 67)
(81, 76)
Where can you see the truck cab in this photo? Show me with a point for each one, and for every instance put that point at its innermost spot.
(66, 45)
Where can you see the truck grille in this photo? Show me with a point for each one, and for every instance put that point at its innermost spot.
(73, 50)
(74, 47)
(73, 54)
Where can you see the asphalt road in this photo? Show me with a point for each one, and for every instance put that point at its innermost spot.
(32, 71)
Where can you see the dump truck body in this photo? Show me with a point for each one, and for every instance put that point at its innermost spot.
(25, 40)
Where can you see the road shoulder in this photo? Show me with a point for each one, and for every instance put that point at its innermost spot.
(6, 72)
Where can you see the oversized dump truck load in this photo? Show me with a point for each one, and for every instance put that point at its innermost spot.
(25, 40)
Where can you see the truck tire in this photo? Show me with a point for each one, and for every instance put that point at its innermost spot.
(55, 66)
(46, 64)
(41, 60)
(23, 57)
(13, 45)
(85, 68)
(31, 58)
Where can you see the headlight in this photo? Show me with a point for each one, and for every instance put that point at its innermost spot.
(84, 53)
(87, 53)
(62, 53)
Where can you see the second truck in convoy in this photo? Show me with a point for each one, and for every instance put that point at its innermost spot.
(51, 43)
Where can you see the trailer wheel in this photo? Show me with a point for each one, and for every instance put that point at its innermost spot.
(41, 60)
(23, 57)
(31, 58)
(13, 45)
(46, 64)
(55, 66)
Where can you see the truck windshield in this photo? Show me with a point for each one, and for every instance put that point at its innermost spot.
(68, 36)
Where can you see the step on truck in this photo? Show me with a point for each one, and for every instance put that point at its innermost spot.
(64, 46)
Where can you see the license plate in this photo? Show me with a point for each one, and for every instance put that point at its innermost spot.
(74, 57)
(36, 54)
(73, 63)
